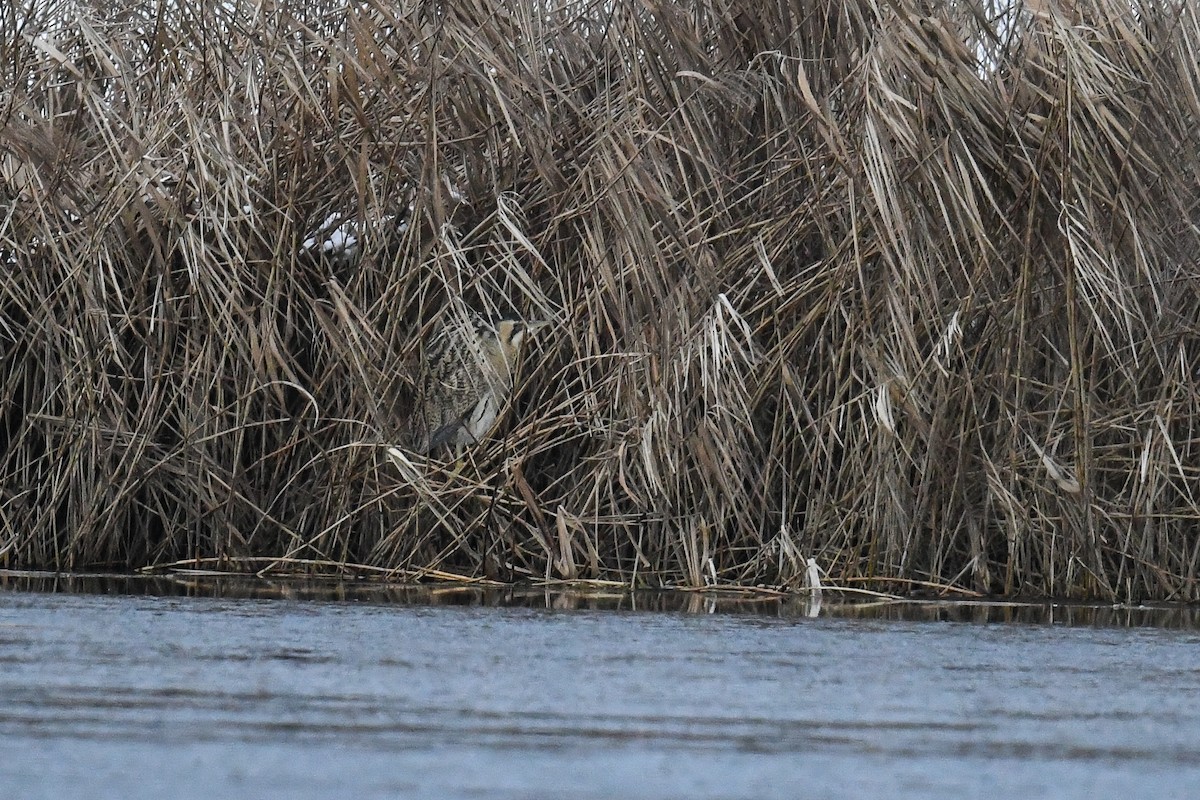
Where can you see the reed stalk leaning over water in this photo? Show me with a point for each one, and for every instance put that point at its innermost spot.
(912, 294)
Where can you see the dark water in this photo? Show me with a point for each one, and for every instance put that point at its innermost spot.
(141, 696)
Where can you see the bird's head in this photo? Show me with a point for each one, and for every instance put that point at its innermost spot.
(512, 333)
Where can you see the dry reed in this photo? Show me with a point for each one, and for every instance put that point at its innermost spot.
(910, 289)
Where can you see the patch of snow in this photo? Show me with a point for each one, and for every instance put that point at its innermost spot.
(337, 237)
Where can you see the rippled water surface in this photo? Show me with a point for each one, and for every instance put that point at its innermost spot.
(130, 696)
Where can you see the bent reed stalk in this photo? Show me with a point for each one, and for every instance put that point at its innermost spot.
(913, 294)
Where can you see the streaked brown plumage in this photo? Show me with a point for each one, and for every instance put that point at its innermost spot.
(466, 379)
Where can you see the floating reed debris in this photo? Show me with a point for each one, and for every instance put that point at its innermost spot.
(910, 290)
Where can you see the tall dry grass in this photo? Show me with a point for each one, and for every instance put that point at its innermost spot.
(910, 289)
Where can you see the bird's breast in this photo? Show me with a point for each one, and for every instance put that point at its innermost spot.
(482, 417)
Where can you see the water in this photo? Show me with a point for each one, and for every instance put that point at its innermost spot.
(129, 696)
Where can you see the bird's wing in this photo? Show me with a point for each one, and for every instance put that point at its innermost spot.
(442, 436)
(451, 418)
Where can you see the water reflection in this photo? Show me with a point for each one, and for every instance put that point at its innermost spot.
(376, 693)
(590, 598)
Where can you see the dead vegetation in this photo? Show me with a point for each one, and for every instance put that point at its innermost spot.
(909, 289)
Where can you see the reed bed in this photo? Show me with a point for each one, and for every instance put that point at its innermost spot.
(907, 289)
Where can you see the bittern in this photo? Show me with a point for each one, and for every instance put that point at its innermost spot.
(465, 380)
